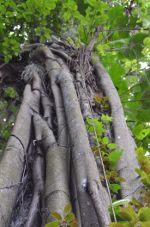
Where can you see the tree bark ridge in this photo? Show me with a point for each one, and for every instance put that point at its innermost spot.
(128, 161)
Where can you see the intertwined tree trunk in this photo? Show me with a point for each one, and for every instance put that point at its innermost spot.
(50, 141)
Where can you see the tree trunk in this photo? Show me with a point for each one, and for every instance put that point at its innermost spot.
(50, 128)
(123, 137)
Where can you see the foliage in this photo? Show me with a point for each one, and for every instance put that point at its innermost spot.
(128, 213)
(67, 220)
(123, 45)
(8, 107)
(137, 213)
(109, 151)
(128, 217)
(10, 92)
(144, 170)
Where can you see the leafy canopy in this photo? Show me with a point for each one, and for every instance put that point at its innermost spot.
(123, 44)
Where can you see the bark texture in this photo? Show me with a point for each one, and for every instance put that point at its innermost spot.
(11, 166)
(83, 160)
(50, 129)
(123, 137)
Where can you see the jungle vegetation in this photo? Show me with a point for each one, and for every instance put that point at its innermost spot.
(74, 113)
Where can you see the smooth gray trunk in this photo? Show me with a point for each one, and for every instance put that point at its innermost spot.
(84, 163)
(123, 138)
(64, 169)
(11, 165)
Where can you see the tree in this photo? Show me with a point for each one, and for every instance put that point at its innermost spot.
(70, 143)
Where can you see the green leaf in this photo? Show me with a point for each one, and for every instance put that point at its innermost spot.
(144, 214)
(67, 209)
(115, 187)
(138, 128)
(136, 41)
(117, 224)
(53, 224)
(10, 92)
(56, 215)
(112, 146)
(144, 224)
(105, 140)
(106, 118)
(147, 42)
(99, 127)
(114, 157)
(95, 125)
(145, 178)
(143, 133)
(128, 214)
(3, 105)
(69, 218)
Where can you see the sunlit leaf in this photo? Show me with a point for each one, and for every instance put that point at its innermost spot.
(67, 209)
(115, 187)
(143, 133)
(144, 214)
(53, 224)
(112, 146)
(114, 156)
(117, 224)
(106, 118)
(105, 140)
(70, 217)
(56, 215)
(128, 214)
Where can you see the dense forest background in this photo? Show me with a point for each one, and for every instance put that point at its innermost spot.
(114, 32)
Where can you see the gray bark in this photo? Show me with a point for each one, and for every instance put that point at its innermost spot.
(83, 160)
(64, 168)
(57, 185)
(11, 165)
(82, 156)
(123, 138)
